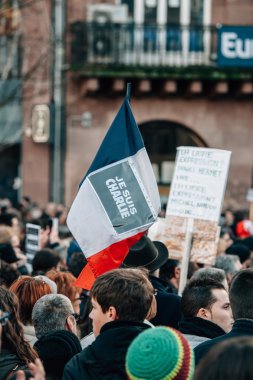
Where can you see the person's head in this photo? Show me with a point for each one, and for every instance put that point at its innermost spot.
(12, 331)
(45, 260)
(65, 282)
(224, 241)
(51, 209)
(231, 359)
(240, 294)
(8, 274)
(8, 255)
(230, 264)
(47, 280)
(77, 263)
(28, 290)
(147, 254)
(53, 312)
(242, 251)
(123, 294)
(46, 224)
(207, 299)
(229, 217)
(55, 349)
(160, 353)
(11, 220)
(5, 234)
(211, 273)
(170, 271)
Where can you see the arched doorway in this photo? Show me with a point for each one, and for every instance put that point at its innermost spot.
(161, 139)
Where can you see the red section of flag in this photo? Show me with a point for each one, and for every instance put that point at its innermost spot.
(103, 261)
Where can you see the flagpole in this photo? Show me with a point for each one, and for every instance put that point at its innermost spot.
(128, 91)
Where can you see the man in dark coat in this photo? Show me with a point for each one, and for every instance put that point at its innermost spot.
(206, 311)
(152, 255)
(240, 295)
(121, 300)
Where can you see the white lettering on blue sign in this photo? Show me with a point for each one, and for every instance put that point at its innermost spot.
(234, 47)
(122, 198)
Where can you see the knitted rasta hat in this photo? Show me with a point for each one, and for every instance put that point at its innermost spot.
(55, 349)
(161, 353)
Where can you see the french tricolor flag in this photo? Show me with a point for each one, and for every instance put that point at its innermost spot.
(117, 201)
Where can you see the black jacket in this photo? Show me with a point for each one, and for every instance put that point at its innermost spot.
(241, 327)
(200, 327)
(8, 363)
(105, 358)
(168, 305)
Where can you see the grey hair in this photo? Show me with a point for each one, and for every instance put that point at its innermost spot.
(50, 313)
(216, 274)
(227, 263)
(51, 283)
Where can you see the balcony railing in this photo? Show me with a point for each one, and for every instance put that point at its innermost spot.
(142, 45)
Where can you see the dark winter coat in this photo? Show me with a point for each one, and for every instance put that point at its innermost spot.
(104, 359)
(9, 363)
(241, 327)
(197, 330)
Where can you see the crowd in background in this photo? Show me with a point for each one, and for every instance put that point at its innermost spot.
(44, 315)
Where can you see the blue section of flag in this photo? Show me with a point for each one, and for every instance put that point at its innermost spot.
(121, 141)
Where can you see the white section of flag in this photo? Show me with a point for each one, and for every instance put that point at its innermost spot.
(88, 220)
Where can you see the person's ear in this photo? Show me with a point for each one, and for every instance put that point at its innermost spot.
(177, 272)
(112, 313)
(203, 313)
(71, 324)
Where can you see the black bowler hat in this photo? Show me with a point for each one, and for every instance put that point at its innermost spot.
(148, 254)
(7, 253)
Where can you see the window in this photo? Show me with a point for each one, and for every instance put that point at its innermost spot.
(130, 4)
(161, 139)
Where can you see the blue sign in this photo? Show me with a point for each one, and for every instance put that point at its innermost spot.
(235, 46)
(122, 197)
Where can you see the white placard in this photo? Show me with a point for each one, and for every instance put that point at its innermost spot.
(198, 183)
(250, 195)
(32, 242)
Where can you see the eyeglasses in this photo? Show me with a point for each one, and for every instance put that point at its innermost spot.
(81, 297)
(4, 318)
(76, 316)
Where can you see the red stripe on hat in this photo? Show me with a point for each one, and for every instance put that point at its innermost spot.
(105, 260)
(187, 362)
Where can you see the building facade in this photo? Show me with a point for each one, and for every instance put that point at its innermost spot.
(190, 63)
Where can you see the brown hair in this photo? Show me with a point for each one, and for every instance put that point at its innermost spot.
(28, 290)
(65, 283)
(5, 234)
(230, 359)
(13, 333)
(128, 290)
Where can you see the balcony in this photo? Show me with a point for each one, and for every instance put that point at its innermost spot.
(170, 51)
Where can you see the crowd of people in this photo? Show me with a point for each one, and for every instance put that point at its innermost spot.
(132, 324)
